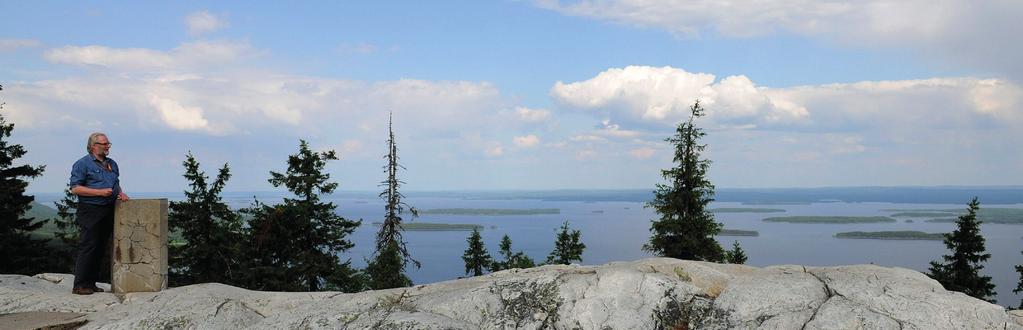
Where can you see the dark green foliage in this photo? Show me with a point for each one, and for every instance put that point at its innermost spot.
(567, 247)
(19, 253)
(294, 245)
(477, 259)
(511, 260)
(961, 270)
(212, 231)
(736, 255)
(387, 269)
(1019, 285)
(686, 228)
(67, 236)
(67, 228)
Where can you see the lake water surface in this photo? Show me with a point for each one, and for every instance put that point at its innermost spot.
(616, 231)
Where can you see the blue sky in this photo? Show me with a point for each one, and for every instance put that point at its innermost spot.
(520, 94)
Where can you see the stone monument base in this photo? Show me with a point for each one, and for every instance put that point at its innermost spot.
(140, 246)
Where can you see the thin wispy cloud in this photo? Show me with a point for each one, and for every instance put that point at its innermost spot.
(974, 33)
(361, 48)
(190, 55)
(532, 115)
(527, 141)
(203, 22)
(10, 45)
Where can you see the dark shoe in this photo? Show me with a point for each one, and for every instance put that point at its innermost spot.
(82, 291)
(96, 289)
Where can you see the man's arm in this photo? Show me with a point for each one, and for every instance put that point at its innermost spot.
(77, 183)
(86, 191)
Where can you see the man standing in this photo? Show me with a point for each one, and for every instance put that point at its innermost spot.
(94, 180)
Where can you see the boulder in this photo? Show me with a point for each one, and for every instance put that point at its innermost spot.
(658, 293)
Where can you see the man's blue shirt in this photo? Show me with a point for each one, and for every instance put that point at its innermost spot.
(90, 172)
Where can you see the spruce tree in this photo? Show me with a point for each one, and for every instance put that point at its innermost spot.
(961, 270)
(211, 230)
(685, 228)
(567, 247)
(1019, 285)
(511, 260)
(295, 244)
(477, 259)
(67, 235)
(67, 228)
(387, 269)
(736, 255)
(21, 254)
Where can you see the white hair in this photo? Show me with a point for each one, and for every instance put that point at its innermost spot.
(92, 139)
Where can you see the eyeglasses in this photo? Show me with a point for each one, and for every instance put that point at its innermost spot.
(104, 144)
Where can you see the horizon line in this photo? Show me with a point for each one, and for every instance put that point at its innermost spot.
(1015, 186)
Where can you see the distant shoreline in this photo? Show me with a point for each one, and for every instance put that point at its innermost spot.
(910, 235)
(739, 232)
(489, 212)
(429, 226)
(828, 219)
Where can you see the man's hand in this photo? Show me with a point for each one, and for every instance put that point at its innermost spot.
(122, 196)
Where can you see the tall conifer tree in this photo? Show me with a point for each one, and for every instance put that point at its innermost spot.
(295, 245)
(67, 234)
(387, 269)
(567, 247)
(67, 228)
(476, 258)
(961, 270)
(686, 228)
(21, 254)
(211, 230)
(1019, 285)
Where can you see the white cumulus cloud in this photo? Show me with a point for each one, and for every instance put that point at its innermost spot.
(664, 95)
(177, 116)
(202, 88)
(647, 97)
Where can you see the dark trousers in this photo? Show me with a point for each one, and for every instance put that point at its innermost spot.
(96, 224)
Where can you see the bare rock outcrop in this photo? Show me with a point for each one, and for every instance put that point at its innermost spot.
(645, 294)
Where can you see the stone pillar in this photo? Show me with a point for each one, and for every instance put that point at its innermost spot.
(140, 246)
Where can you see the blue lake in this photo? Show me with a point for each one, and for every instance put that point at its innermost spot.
(616, 231)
